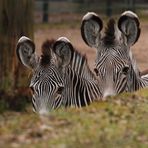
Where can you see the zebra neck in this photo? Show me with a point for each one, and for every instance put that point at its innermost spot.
(80, 66)
(134, 64)
(135, 80)
(80, 91)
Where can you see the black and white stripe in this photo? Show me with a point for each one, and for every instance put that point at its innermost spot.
(80, 85)
(115, 64)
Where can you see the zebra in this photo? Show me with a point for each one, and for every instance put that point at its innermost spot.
(61, 75)
(115, 64)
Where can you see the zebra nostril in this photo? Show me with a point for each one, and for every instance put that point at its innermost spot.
(60, 89)
(96, 71)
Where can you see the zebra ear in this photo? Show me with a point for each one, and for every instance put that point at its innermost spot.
(63, 49)
(129, 25)
(25, 51)
(90, 29)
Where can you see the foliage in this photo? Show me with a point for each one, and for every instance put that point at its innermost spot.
(120, 121)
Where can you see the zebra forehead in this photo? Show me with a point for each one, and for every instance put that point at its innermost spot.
(112, 57)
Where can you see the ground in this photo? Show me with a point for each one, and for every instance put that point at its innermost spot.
(119, 122)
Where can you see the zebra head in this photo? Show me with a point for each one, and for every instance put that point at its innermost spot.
(113, 60)
(47, 82)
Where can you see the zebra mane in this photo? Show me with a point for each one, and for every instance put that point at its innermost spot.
(79, 64)
(109, 37)
(46, 51)
(77, 61)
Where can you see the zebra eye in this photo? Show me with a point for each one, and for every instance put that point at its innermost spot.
(32, 90)
(96, 71)
(60, 89)
(125, 70)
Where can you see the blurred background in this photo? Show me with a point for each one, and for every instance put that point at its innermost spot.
(53, 10)
(42, 19)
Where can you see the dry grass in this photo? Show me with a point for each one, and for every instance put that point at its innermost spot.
(119, 122)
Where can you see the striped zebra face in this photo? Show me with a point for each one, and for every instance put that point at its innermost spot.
(47, 83)
(113, 60)
(47, 87)
(112, 67)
